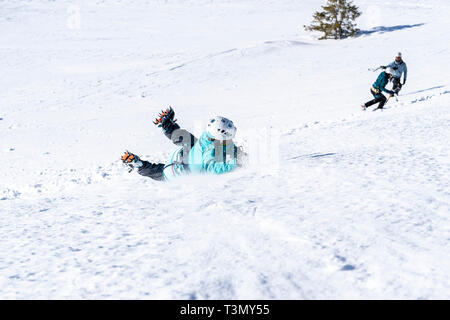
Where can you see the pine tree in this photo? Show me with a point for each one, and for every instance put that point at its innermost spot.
(336, 20)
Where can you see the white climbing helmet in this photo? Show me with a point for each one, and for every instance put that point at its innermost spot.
(399, 55)
(389, 70)
(221, 128)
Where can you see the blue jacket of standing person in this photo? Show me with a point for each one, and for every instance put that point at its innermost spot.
(399, 69)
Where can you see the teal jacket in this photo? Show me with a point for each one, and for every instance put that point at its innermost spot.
(381, 82)
(201, 160)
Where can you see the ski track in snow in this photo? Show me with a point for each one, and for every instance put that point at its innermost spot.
(357, 208)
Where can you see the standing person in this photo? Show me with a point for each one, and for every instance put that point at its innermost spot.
(399, 67)
(213, 153)
(378, 86)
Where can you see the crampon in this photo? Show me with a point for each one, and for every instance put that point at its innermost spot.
(164, 116)
(128, 157)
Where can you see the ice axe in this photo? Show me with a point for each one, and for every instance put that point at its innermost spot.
(396, 96)
(390, 96)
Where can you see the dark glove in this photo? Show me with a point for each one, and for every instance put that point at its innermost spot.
(383, 67)
(165, 118)
(132, 160)
(395, 68)
(404, 81)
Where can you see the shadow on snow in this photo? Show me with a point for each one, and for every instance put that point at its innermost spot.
(423, 90)
(313, 155)
(382, 29)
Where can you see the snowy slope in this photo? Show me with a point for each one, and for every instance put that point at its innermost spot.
(352, 204)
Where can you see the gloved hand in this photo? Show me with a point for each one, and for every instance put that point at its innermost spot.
(383, 67)
(404, 81)
(132, 160)
(165, 118)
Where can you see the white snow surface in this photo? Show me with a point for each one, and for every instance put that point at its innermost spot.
(356, 207)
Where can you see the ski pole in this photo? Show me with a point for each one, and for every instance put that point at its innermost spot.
(373, 70)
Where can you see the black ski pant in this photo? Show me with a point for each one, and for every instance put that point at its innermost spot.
(396, 85)
(181, 138)
(379, 97)
(152, 170)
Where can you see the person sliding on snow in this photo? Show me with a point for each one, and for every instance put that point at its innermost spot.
(378, 86)
(399, 67)
(213, 153)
